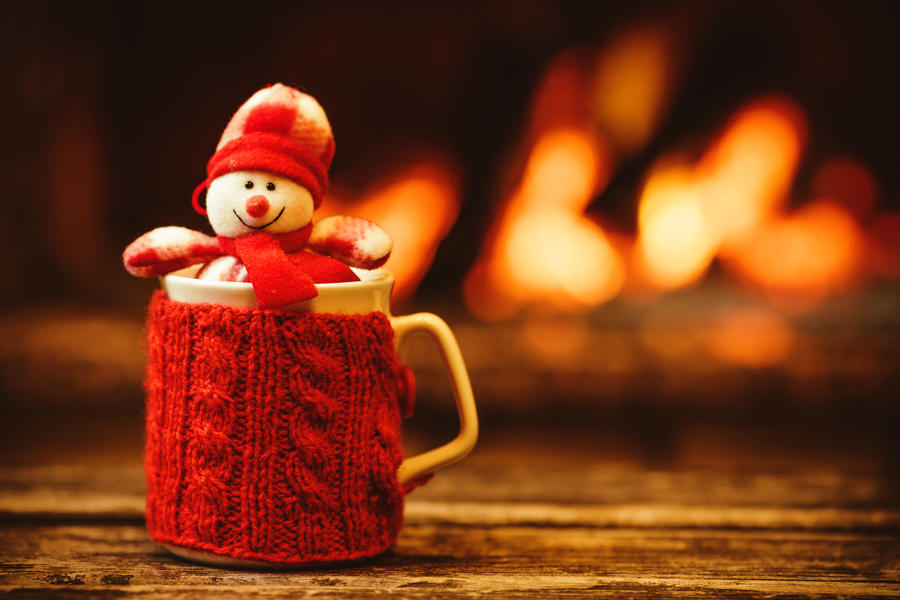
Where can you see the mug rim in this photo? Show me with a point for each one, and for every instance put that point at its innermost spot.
(370, 293)
(373, 277)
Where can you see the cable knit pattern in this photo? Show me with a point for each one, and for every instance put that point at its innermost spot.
(271, 435)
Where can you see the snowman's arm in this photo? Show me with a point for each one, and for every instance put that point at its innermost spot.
(167, 249)
(353, 241)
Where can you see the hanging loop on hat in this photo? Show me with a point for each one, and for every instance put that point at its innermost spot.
(195, 197)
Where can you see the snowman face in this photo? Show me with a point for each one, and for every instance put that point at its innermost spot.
(245, 202)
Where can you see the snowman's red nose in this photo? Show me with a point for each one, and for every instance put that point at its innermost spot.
(257, 206)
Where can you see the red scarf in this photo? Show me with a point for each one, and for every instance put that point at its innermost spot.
(276, 280)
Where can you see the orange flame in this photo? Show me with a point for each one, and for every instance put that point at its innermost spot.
(812, 252)
(631, 82)
(730, 204)
(417, 207)
(688, 215)
(745, 176)
(543, 247)
(675, 241)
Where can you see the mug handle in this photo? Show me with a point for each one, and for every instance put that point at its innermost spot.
(457, 449)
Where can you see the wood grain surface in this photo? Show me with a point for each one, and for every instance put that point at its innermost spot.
(516, 520)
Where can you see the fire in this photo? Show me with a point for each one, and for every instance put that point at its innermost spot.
(561, 257)
(745, 177)
(812, 252)
(562, 173)
(689, 214)
(729, 204)
(417, 207)
(544, 248)
(631, 82)
(675, 242)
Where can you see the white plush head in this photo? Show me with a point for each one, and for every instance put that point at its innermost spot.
(243, 202)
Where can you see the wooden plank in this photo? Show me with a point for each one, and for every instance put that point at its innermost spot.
(82, 491)
(650, 515)
(516, 519)
(589, 492)
(98, 560)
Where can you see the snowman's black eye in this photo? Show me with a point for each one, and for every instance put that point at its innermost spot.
(248, 185)
(270, 186)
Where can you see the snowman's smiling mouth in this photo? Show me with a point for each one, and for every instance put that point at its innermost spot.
(261, 226)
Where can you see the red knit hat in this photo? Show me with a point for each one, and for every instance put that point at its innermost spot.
(282, 131)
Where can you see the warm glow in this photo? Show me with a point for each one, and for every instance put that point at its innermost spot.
(555, 340)
(749, 337)
(417, 208)
(687, 215)
(745, 176)
(544, 250)
(814, 251)
(561, 257)
(562, 172)
(560, 99)
(847, 182)
(729, 204)
(671, 333)
(883, 252)
(675, 244)
(631, 82)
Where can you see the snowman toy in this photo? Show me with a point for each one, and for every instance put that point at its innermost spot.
(264, 182)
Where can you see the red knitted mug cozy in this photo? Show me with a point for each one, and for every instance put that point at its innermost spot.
(271, 435)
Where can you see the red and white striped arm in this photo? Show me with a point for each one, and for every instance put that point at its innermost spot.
(167, 249)
(353, 241)
(224, 268)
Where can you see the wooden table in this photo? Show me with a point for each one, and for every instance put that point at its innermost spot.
(532, 512)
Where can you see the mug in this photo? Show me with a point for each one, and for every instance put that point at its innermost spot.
(273, 436)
